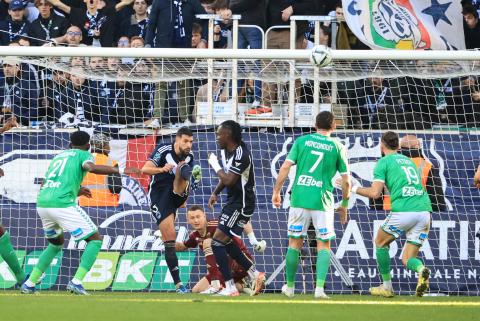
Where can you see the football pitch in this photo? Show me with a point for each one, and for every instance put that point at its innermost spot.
(114, 306)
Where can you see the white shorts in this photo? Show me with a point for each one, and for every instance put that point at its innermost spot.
(415, 225)
(71, 219)
(299, 221)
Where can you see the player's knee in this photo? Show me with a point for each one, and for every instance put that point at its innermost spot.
(170, 252)
(2, 231)
(323, 245)
(185, 172)
(94, 237)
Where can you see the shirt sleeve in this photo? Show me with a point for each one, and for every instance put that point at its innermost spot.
(379, 172)
(342, 162)
(156, 156)
(241, 161)
(86, 158)
(293, 154)
(191, 242)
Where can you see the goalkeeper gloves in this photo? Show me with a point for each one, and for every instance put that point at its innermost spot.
(213, 161)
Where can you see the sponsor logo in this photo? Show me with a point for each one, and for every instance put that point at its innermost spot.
(306, 180)
(411, 191)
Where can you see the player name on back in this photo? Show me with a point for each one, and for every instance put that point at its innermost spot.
(311, 143)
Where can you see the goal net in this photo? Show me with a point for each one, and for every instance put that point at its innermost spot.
(135, 102)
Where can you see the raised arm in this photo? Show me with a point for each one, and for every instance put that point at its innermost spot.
(373, 191)
(151, 169)
(60, 5)
(122, 4)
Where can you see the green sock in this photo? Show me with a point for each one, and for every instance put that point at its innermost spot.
(414, 264)
(9, 255)
(88, 258)
(323, 263)
(383, 261)
(291, 261)
(44, 261)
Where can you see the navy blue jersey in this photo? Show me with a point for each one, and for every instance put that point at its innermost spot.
(161, 155)
(241, 196)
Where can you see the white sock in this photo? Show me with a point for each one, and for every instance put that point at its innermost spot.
(252, 239)
(76, 281)
(252, 272)
(319, 290)
(29, 283)
(388, 285)
(230, 285)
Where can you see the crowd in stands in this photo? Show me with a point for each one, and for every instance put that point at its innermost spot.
(33, 93)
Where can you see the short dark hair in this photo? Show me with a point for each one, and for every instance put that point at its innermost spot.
(184, 131)
(219, 4)
(79, 138)
(469, 9)
(196, 28)
(195, 208)
(391, 140)
(325, 120)
(235, 130)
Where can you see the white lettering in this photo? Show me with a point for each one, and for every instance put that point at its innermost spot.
(345, 246)
(127, 268)
(443, 227)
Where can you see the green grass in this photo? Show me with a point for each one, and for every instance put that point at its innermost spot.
(108, 306)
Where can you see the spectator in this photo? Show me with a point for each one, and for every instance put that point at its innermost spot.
(252, 13)
(48, 26)
(83, 100)
(197, 41)
(171, 22)
(53, 101)
(130, 103)
(15, 25)
(77, 61)
(170, 26)
(18, 97)
(23, 41)
(97, 25)
(73, 37)
(137, 42)
(471, 27)
(123, 42)
(97, 64)
(136, 26)
(374, 98)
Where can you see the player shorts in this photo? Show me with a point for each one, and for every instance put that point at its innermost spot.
(71, 219)
(166, 204)
(415, 225)
(299, 220)
(232, 222)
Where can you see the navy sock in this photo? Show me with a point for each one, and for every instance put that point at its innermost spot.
(235, 253)
(222, 259)
(172, 261)
(186, 172)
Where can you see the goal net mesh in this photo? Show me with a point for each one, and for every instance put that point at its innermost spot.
(139, 103)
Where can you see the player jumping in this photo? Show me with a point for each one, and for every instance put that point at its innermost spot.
(202, 237)
(237, 175)
(171, 168)
(318, 158)
(410, 214)
(59, 212)
(6, 249)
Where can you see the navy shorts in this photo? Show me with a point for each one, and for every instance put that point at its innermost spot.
(232, 222)
(166, 204)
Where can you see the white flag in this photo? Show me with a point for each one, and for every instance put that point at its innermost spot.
(407, 24)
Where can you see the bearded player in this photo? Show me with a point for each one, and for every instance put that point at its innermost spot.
(173, 173)
(410, 213)
(202, 237)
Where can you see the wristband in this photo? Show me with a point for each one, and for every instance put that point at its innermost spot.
(344, 203)
(216, 167)
(355, 188)
(121, 170)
